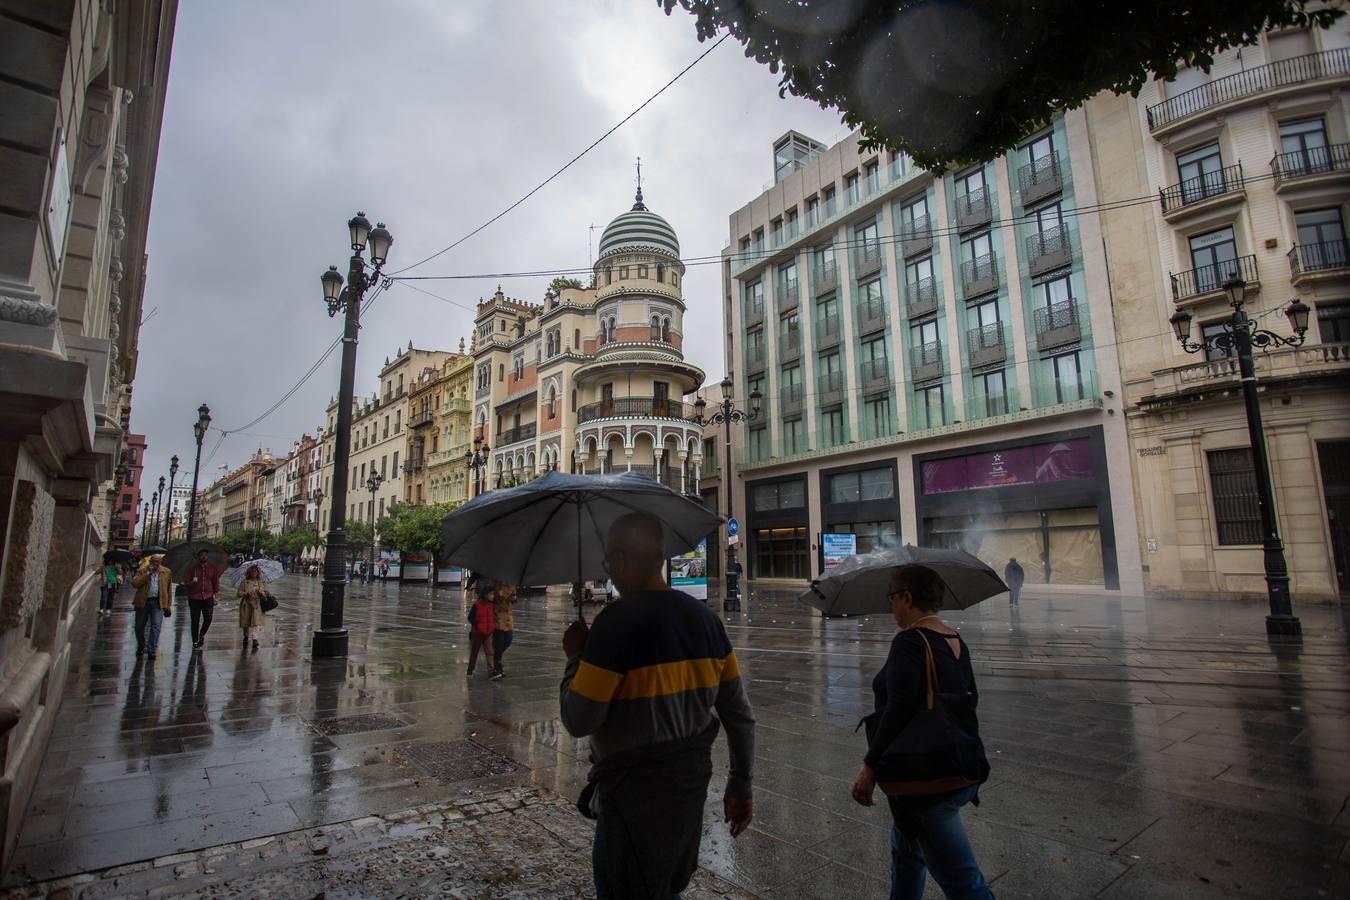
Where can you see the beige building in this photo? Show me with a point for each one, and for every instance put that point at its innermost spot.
(938, 364)
(82, 99)
(1251, 168)
(447, 468)
(429, 398)
(592, 380)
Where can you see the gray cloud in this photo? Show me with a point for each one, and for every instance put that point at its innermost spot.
(283, 119)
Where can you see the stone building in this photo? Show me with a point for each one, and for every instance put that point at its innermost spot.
(127, 513)
(82, 97)
(592, 380)
(447, 468)
(1250, 165)
(298, 489)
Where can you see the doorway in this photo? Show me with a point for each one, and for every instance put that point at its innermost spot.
(1334, 459)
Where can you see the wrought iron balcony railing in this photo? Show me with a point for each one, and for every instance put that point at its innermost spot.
(1202, 187)
(1312, 161)
(825, 279)
(1049, 250)
(979, 275)
(1210, 278)
(916, 236)
(875, 375)
(637, 407)
(984, 344)
(973, 210)
(926, 362)
(870, 316)
(517, 434)
(1039, 179)
(867, 257)
(827, 332)
(1323, 257)
(1057, 325)
(422, 417)
(923, 297)
(830, 389)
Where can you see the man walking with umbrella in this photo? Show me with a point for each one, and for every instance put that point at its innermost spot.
(203, 586)
(648, 684)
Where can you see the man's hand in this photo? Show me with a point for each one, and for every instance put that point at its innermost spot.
(737, 813)
(864, 784)
(574, 638)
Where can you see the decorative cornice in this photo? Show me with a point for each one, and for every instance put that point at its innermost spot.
(26, 312)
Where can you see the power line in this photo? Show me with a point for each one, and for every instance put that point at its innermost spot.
(537, 188)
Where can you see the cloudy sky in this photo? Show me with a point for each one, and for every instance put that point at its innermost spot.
(285, 118)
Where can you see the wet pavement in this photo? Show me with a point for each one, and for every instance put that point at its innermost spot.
(1139, 749)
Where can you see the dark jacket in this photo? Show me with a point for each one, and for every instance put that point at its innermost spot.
(1013, 575)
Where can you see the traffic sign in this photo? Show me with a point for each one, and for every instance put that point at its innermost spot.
(733, 527)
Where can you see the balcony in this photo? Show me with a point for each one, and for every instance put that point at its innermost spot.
(754, 359)
(424, 417)
(1039, 179)
(871, 318)
(1057, 325)
(1295, 365)
(516, 435)
(754, 314)
(790, 345)
(1049, 250)
(1316, 164)
(483, 390)
(1186, 196)
(1306, 261)
(790, 400)
(825, 279)
(413, 466)
(916, 236)
(867, 258)
(827, 332)
(1249, 83)
(1198, 282)
(786, 295)
(633, 407)
(973, 210)
(926, 363)
(985, 346)
(829, 389)
(979, 276)
(923, 298)
(874, 375)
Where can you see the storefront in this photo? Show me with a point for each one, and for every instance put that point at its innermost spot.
(1044, 500)
(861, 500)
(778, 527)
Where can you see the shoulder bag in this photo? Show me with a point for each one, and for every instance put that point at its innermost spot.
(267, 603)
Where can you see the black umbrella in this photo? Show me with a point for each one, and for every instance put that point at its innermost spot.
(552, 530)
(121, 555)
(151, 551)
(858, 586)
(183, 557)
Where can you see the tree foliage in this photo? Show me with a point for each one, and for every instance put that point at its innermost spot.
(298, 541)
(963, 81)
(563, 282)
(413, 529)
(248, 540)
(359, 535)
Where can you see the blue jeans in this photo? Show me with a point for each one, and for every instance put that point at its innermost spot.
(942, 847)
(149, 618)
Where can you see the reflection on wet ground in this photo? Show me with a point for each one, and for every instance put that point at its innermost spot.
(1140, 749)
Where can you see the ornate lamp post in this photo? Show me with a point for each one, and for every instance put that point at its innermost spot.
(724, 417)
(173, 474)
(159, 513)
(372, 484)
(199, 431)
(477, 460)
(145, 523)
(1238, 336)
(331, 638)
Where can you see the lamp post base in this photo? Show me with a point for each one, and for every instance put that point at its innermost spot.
(1284, 626)
(329, 643)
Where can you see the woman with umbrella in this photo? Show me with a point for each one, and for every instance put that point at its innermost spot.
(924, 747)
(252, 591)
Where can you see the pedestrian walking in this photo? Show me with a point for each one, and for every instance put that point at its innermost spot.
(107, 587)
(251, 617)
(1013, 576)
(644, 683)
(482, 624)
(503, 599)
(384, 568)
(153, 602)
(203, 586)
(924, 745)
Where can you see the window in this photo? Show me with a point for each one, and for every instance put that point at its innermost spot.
(970, 190)
(776, 232)
(754, 299)
(623, 272)
(1047, 218)
(501, 372)
(126, 503)
(1220, 350)
(609, 274)
(1290, 44)
(851, 190)
(1214, 258)
(978, 247)
(1304, 145)
(794, 436)
(918, 274)
(870, 484)
(1040, 148)
(924, 333)
(1068, 371)
(984, 315)
(791, 331)
(1237, 512)
(812, 212)
(869, 249)
(759, 443)
(131, 478)
(1056, 290)
(914, 217)
(1333, 323)
(832, 426)
(642, 271)
(991, 396)
(656, 328)
(877, 417)
(871, 177)
(873, 352)
(386, 428)
(395, 462)
(825, 262)
(787, 282)
(398, 425)
(1187, 79)
(1321, 239)
(783, 495)
(827, 198)
(1201, 173)
(661, 272)
(870, 302)
(929, 406)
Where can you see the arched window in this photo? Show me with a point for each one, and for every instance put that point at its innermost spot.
(552, 402)
(665, 329)
(612, 323)
(656, 328)
(609, 274)
(574, 400)
(661, 272)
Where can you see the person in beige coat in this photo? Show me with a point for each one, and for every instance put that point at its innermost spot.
(251, 618)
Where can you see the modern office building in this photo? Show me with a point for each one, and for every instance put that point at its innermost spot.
(1249, 166)
(938, 363)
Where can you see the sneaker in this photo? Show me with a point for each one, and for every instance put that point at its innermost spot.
(468, 674)
(255, 646)
(497, 676)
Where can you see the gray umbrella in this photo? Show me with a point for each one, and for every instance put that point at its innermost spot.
(552, 530)
(858, 585)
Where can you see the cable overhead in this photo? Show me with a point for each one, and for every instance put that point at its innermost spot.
(537, 188)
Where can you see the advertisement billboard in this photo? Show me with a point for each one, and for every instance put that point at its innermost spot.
(838, 547)
(689, 571)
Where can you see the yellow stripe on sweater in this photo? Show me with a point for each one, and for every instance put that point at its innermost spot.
(664, 679)
(595, 683)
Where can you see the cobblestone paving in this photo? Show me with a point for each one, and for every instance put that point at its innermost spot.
(523, 842)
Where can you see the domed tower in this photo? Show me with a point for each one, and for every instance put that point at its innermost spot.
(631, 414)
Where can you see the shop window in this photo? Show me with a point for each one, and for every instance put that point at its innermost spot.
(871, 536)
(780, 553)
(783, 495)
(870, 484)
(1232, 479)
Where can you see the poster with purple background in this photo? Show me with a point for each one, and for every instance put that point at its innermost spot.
(1038, 464)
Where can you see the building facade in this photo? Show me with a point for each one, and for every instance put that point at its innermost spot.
(1250, 165)
(448, 468)
(938, 363)
(127, 512)
(593, 379)
(427, 396)
(83, 97)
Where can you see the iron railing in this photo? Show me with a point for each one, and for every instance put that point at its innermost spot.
(1201, 187)
(790, 400)
(830, 388)
(926, 361)
(789, 345)
(979, 275)
(867, 257)
(755, 358)
(1321, 257)
(923, 297)
(984, 344)
(825, 279)
(1039, 179)
(1057, 325)
(916, 236)
(1048, 250)
(1205, 279)
(643, 407)
(875, 375)
(1312, 161)
(827, 331)
(754, 313)
(1327, 64)
(787, 294)
(424, 417)
(972, 210)
(519, 433)
(871, 316)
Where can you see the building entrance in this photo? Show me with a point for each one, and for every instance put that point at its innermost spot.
(1334, 459)
(1057, 546)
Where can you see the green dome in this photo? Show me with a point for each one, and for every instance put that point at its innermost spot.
(639, 229)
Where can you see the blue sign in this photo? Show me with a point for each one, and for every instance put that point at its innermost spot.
(733, 526)
(838, 547)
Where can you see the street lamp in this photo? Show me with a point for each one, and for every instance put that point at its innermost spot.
(145, 523)
(155, 504)
(724, 417)
(1238, 336)
(199, 431)
(477, 460)
(372, 484)
(331, 638)
(173, 474)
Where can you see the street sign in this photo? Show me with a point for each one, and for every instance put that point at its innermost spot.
(733, 527)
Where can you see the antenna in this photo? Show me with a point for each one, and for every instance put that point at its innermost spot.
(590, 235)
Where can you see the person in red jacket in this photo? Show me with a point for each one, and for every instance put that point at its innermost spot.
(483, 622)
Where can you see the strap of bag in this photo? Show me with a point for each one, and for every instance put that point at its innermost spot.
(930, 668)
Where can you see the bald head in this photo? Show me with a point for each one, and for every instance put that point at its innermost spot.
(636, 552)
